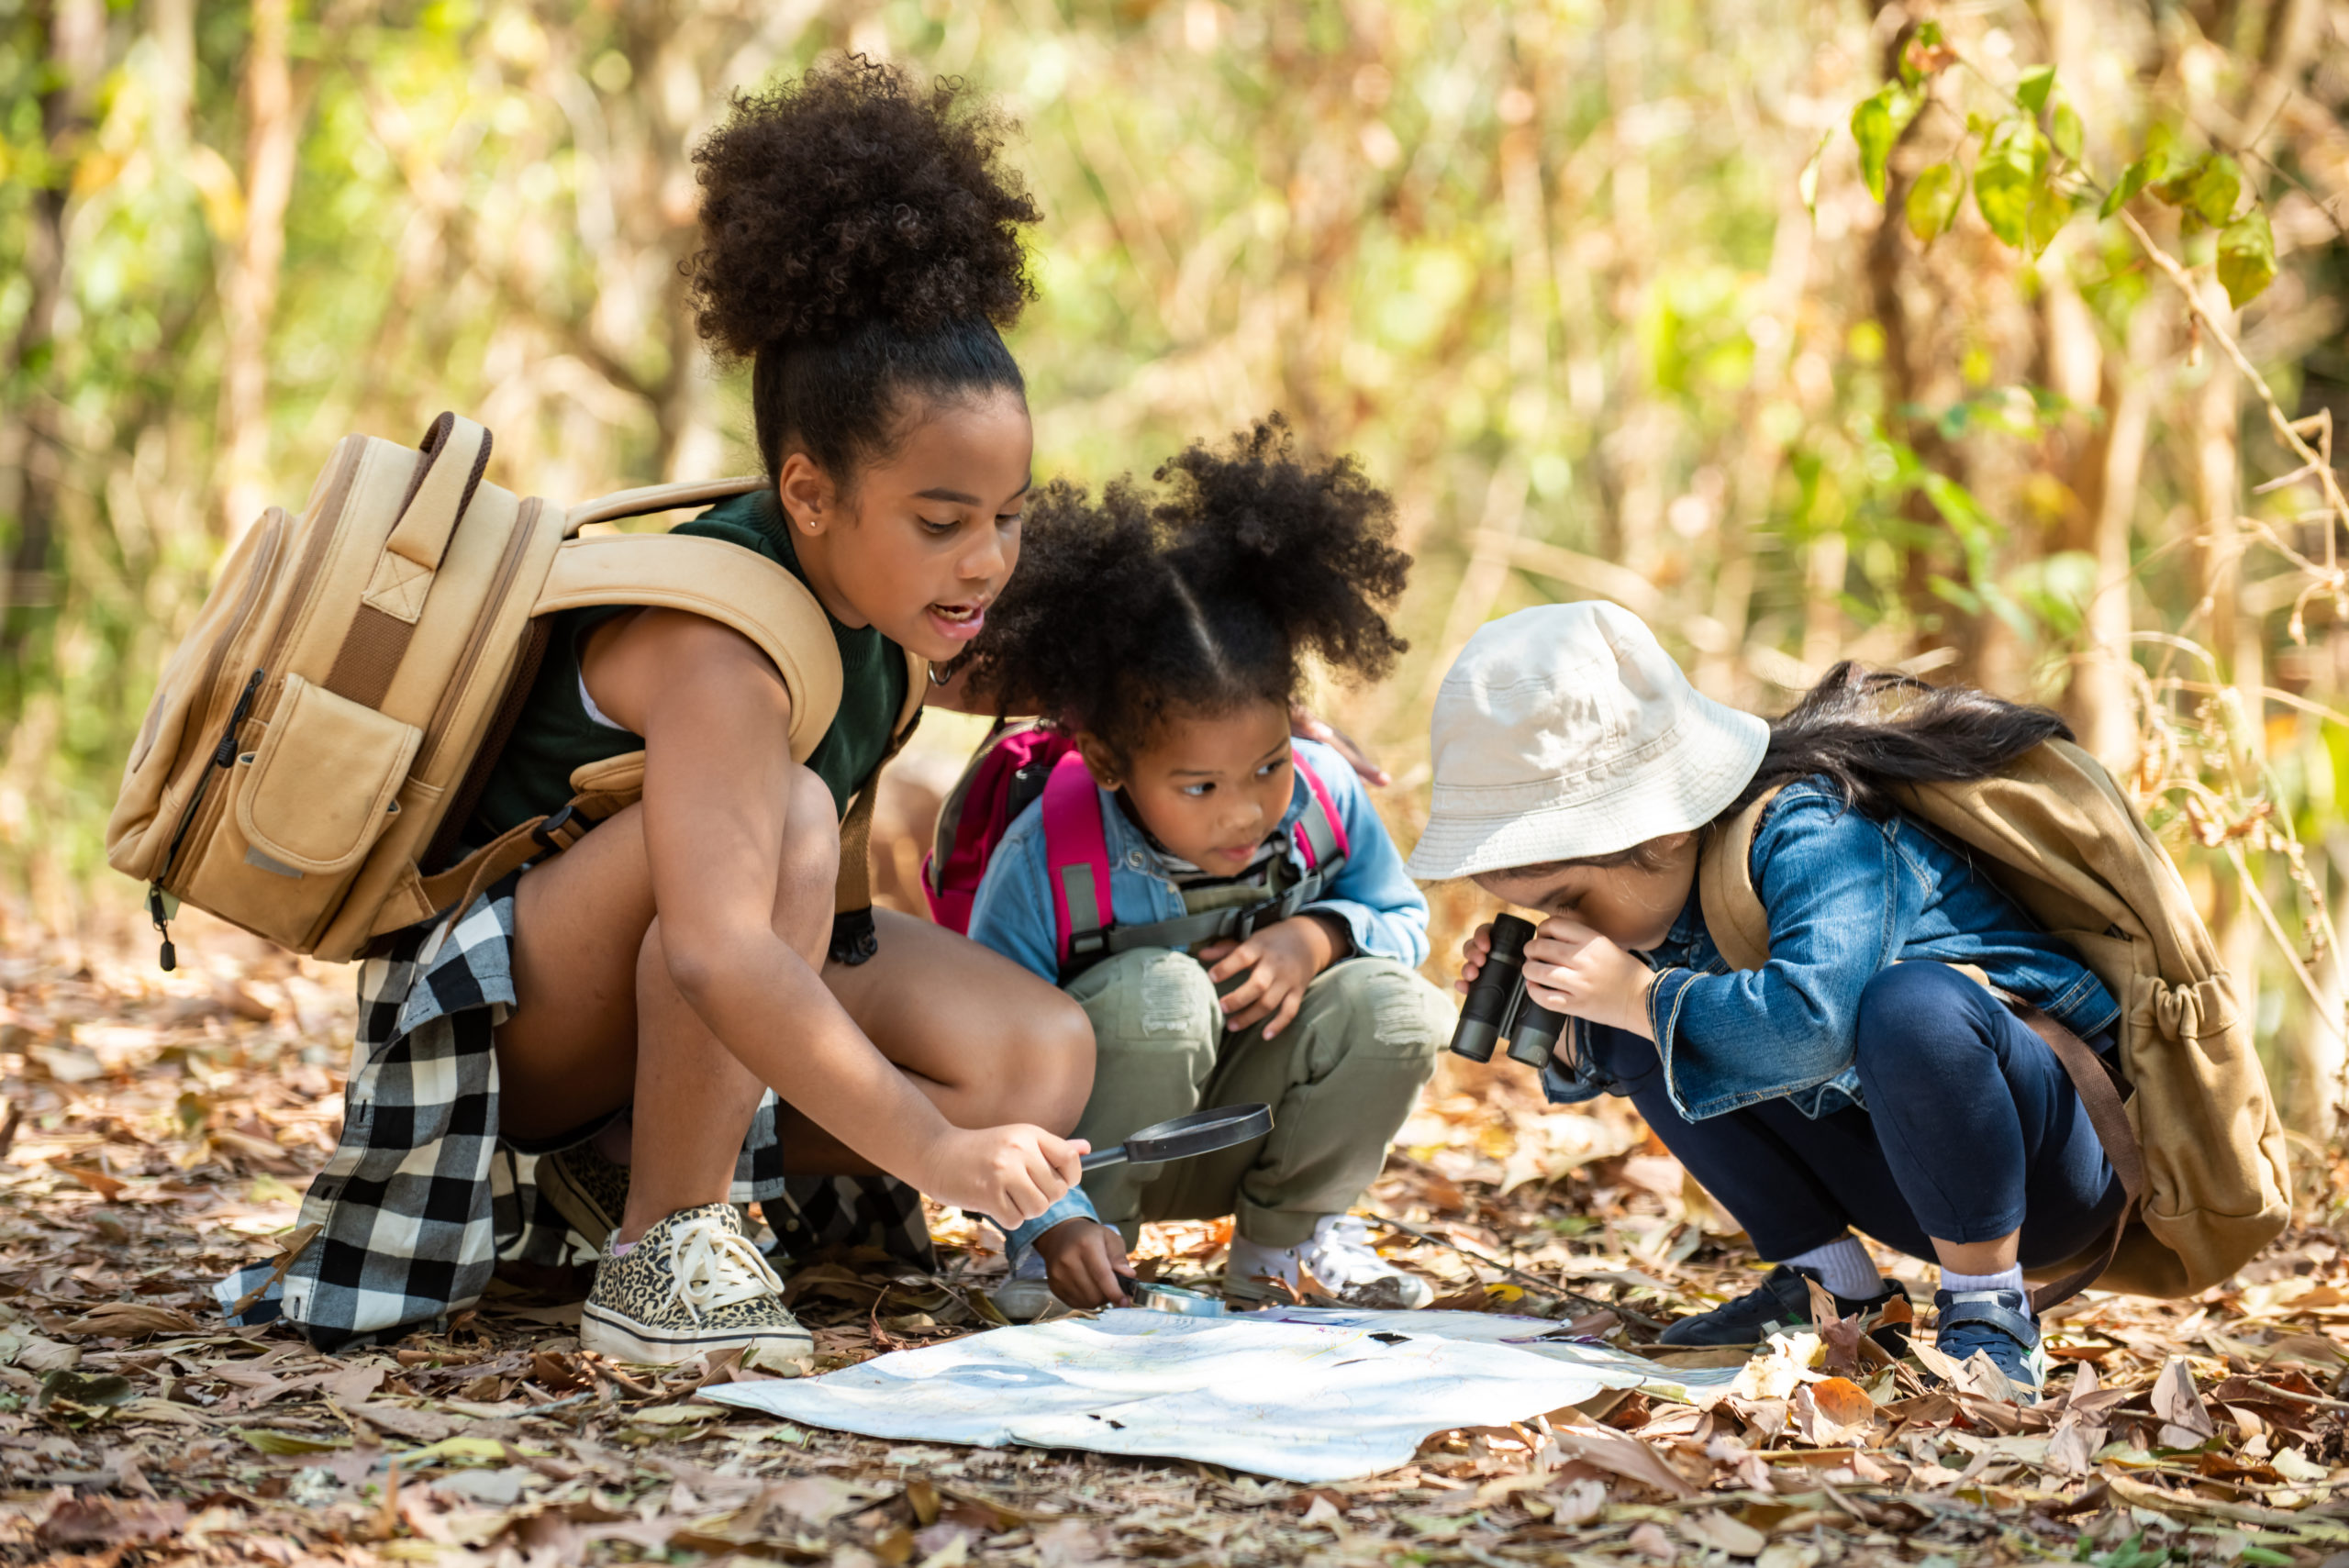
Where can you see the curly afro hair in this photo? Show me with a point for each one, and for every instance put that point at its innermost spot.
(1201, 597)
(859, 241)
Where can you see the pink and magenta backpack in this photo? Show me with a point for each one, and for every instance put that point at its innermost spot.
(1021, 763)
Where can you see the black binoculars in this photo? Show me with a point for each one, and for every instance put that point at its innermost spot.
(1497, 1004)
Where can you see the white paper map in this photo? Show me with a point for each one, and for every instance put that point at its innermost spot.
(1347, 1395)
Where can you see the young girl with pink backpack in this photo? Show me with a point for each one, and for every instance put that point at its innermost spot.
(1220, 898)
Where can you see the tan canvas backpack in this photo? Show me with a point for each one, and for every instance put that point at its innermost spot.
(319, 740)
(2190, 1128)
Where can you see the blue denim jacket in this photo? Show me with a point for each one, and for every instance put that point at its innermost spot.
(1381, 908)
(1374, 896)
(1846, 896)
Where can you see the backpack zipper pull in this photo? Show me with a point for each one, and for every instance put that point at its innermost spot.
(169, 958)
(225, 752)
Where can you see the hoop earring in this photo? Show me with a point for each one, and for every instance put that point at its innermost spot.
(951, 669)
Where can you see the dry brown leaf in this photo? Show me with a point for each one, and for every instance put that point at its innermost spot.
(1627, 1457)
(106, 1185)
(1071, 1543)
(2185, 1422)
(1711, 1527)
(127, 1319)
(1649, 1540)
(1839, 1404)
(2072, 1448)
(417, 1426)
(95, 1521)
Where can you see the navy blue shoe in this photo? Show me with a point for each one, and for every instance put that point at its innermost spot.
(1999, 1323)
(1782, 1301)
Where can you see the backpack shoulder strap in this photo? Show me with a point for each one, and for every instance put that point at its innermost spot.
(651, 498)
(1076, 855)
(733, 586)
(1320, 832)
(1733, 915)
(917, 693)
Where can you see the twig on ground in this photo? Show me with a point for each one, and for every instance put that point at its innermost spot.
(1529, 1281)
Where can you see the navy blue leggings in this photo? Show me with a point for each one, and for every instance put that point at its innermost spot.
(1972, 1131)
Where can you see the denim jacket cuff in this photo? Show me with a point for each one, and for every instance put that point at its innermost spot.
(1074, 1205)
(1664, 997)
(1360, 921)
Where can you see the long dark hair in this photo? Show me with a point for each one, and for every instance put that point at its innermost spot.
(1869, 731)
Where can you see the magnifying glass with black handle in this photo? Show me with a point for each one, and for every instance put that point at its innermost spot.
(1202, 1132)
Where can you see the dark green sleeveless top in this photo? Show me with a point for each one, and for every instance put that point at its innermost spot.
(556, 734)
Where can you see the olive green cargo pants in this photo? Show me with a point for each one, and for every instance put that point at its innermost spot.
(1340, 1078)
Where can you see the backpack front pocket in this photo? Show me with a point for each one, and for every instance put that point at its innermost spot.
(319, 790)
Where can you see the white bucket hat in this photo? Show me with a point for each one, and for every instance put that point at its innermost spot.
(1567, 731)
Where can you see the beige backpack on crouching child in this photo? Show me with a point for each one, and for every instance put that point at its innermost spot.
(2190, 1128)
(319, 740)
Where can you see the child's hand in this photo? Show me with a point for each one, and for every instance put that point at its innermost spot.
(1011, 1174)
(1285, 956)
(1473, 953)
(1086, 1261)
(1569, 968)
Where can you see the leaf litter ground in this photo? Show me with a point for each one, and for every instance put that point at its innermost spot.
(157, 1131)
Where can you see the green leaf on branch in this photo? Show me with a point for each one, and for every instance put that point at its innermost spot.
(2246, 257)
(2151, 166)
(2207, 190)
(2050, 210)
(1932, 201)
(2065, 131)
(1876, 126)
(1807, 183)
(2031, 91)
(2005, 177)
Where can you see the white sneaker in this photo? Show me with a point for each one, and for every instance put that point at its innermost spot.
(1339, 1256)
(1025, 1294)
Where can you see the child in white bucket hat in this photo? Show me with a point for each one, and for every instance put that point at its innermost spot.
(1845, 1085)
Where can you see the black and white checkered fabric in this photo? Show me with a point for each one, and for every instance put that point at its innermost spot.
(422, 1201)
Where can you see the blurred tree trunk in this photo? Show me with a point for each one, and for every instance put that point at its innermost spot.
(2102, 706)
(1760, 456)
(1913, 359)
(2213, 421)
(33, 447)
(248, 281)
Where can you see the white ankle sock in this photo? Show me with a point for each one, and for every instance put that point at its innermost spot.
(1844, 1267)
(2006, 1279)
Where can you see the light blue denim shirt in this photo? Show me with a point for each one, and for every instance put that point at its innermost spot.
(1381, 906)
(1374, 896)
(1846, 896)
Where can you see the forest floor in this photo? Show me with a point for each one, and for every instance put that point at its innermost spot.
(157, 1131)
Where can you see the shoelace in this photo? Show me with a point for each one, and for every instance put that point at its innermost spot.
(716, 1266)
(1340, 1253)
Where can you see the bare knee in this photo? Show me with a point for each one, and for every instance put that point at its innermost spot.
(1062, 1041)
(1038, 1068)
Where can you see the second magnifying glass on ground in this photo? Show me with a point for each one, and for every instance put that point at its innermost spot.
(1202, 1132)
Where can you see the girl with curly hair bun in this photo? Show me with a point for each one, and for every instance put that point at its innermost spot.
(861, 249)
(1259, 938)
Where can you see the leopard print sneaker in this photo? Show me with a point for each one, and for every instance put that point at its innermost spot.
(694, 1284)
(588, 1190)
